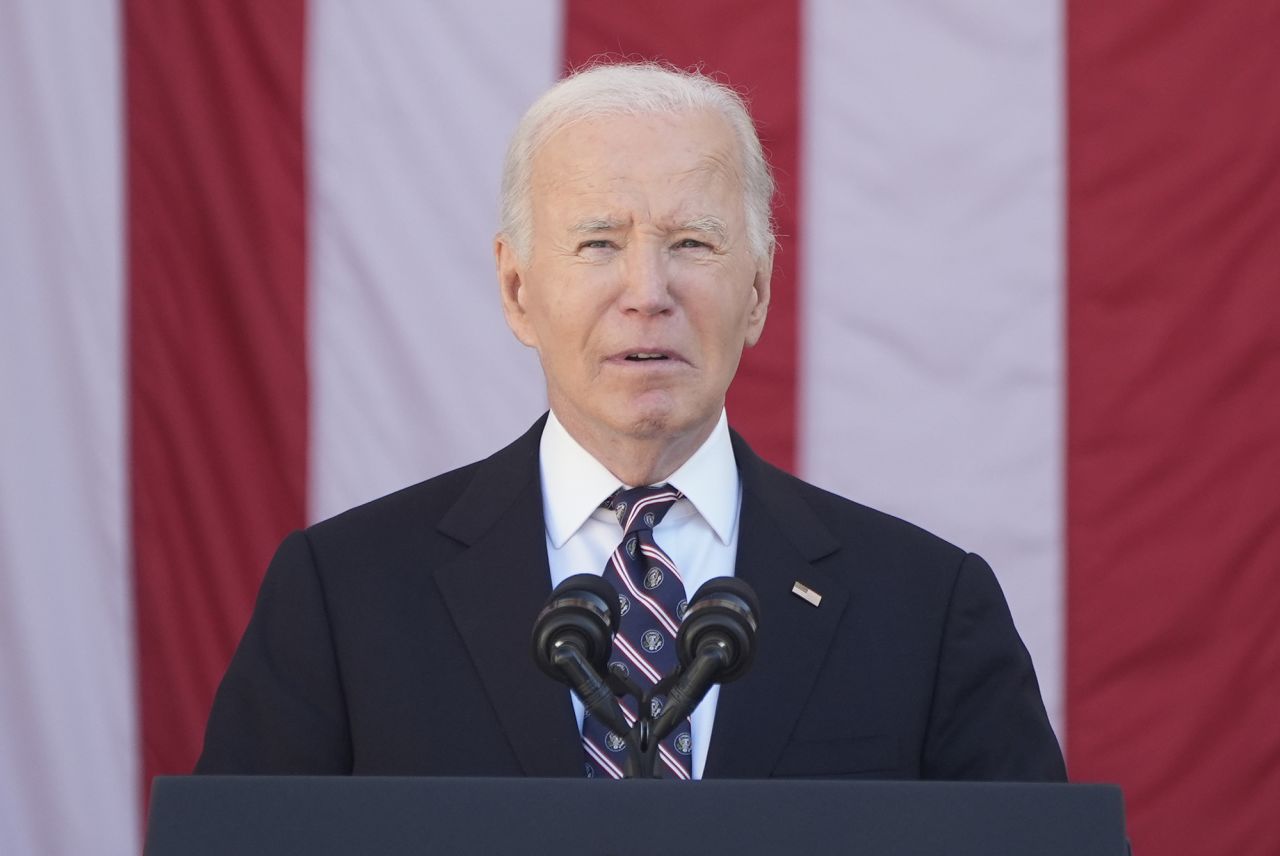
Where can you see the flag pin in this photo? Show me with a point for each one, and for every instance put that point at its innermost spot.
(806, 594)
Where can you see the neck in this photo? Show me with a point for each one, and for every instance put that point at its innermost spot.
(640, 459)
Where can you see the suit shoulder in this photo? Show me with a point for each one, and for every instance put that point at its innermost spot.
(861, 527)
(421, 504)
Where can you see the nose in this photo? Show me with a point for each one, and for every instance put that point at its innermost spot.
(646, 280)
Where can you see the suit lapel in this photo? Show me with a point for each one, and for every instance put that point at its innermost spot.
(494, 590)
(779, 540)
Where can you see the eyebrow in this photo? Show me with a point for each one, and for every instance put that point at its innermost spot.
(597, 224)
(707, 224)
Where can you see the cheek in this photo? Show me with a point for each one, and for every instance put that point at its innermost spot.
(566, 334)
(578, 314)
(727, 319)
(552, 310)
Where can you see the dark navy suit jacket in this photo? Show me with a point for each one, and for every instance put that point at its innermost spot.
(395, 639)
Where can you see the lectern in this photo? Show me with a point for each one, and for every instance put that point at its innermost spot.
(373, 816)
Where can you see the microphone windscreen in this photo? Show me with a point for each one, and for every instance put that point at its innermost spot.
(582, 611)
(724, 612)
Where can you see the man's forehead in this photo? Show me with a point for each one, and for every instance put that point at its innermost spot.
(674, 171)
(689, 145)
(590, 177)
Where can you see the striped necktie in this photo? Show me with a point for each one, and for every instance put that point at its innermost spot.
(653, 601)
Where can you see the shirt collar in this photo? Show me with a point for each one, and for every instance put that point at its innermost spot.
(574, 483)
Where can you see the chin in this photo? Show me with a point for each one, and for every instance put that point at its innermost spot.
(651, 417)
(660, 422)
(651, 426)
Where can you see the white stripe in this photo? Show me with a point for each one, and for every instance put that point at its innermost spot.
(673, 763)
(627, 713)
(932, 323)
(642, 504)
(69, 757)
(661, 557)
(620, 643)
(410, 107)
(653, 606)
(603, 760)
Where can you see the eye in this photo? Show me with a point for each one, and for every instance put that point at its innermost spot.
(596, 244)
(691, 244)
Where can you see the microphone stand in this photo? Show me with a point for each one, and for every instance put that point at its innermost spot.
(600, 701)
(685, 688)
(690, 688)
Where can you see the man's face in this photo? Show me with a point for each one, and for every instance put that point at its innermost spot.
(639, 291)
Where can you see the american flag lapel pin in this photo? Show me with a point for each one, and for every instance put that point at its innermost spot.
(806, 594)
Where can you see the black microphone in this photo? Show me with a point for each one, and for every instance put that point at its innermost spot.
(572, 639)
(716, 645)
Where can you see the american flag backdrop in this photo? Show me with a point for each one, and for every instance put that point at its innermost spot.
(1027, 295)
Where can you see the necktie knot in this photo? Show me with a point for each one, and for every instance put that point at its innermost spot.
(642, 508)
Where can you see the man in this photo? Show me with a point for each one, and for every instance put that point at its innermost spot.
(635, 258)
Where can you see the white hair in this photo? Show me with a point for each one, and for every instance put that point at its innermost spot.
(634, 89)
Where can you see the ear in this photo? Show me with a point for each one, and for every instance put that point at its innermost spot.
(760, 308)
(511, 287)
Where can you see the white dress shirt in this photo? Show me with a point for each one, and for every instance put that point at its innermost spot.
(699, 532)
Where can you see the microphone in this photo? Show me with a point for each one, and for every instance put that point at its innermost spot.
(721, 621)
(572, 639)
(716, 645)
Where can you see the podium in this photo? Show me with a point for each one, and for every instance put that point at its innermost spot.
(379, 816)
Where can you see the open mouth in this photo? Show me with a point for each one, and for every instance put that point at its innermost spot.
(644, 358)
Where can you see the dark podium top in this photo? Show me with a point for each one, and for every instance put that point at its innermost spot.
(246, 815)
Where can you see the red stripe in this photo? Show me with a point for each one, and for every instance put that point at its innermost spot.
(756, 46)
(669, 622)
(662, 559)
(674, 764)
(620, 644)
(1173, 527)
(645, 503)
(218, 409)
(602, 759)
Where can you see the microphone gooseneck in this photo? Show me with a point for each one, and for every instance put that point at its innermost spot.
(716, 645)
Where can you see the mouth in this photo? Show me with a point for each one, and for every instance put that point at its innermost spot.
(646, 356)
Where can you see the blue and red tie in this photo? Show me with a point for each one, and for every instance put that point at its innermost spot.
(652, 598)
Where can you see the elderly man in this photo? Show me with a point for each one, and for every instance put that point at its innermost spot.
(635, 258)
